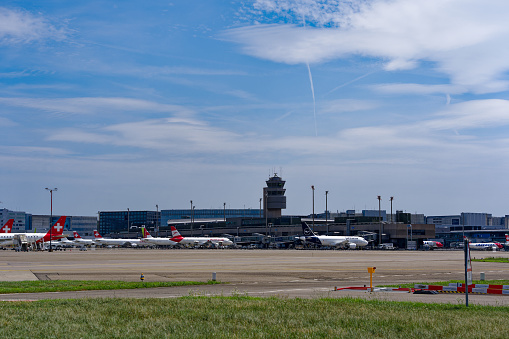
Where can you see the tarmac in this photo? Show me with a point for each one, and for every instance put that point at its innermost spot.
(257, 273)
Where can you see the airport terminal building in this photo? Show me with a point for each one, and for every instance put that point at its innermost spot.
(268, 226)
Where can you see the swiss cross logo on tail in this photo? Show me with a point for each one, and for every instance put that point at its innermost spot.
(7, 227)
(58, 227)
(55, 232)
(76, 235)
(96, 234)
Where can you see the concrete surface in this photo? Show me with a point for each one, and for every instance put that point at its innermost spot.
(286, 273)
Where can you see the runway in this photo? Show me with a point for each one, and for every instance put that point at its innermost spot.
(286, 273)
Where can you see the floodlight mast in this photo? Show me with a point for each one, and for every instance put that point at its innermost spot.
(51, 216)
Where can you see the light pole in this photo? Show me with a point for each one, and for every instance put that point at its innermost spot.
(379, 220)
(260, 207)
(191, 217)
(158, 220)
(128, 221)
(326, 212)
(51, 216)
(391, 198)
(313, 189)
(224, 213)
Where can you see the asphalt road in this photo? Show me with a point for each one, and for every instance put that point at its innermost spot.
(285, 273)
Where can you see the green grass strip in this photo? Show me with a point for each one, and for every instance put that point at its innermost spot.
(492, 259)
(85, 285)
(245, 317)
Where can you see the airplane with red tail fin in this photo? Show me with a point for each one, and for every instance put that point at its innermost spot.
(147, 238)
(7, 228)
(55, 233)
(99, 240)
(201, 241)
(79, 240)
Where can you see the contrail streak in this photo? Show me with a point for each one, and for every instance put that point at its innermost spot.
(349, 82)
(313, 93)
(311, 83)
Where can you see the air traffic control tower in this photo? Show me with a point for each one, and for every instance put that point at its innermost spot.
(274, 199)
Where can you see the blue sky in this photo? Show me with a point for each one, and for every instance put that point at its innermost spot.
(136, 103)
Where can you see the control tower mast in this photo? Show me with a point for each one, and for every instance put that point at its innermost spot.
(274, 199)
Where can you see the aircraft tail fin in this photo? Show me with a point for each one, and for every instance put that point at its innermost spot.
(58, 227)
(145, 233)
(7, 228)
(507, 237)
(306, 230)
(97, 235)
(76, 235)
(174, 232)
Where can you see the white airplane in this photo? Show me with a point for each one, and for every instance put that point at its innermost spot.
(486, 246)
(346, 242)
(200, 241)
(80, 241)
(7, 228)
(55, 233)
(64, 242)
(148, 239)
(433, 244)
(99, 240)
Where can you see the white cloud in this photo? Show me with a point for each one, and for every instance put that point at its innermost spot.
(33, 151)
(169, 135)
(418, 89)
(465, 38)
(189, 137)
(92, 105)
(7, 122)
(473, 114)
(18, 26)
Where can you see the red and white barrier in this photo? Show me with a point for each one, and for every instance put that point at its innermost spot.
(460, 288)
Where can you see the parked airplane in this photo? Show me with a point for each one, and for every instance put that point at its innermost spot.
(487, 246)
(57, 229)
(433, 244)
(200, 241)
(147, 238)
(115, 242)
(64, 242)
(347, 242)
(7, 228)
(80, 241)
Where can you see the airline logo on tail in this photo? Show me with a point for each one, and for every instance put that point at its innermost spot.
(8, 226)
(58, 228)
(507, 237)
(97, 235)
(145, 233)
(307, 231)
(56, 231)
(174, 232)
(175, 235)
(76, 235)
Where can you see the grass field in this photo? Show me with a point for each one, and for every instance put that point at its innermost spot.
(245, 317)
(492, 259)
(85, 285)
